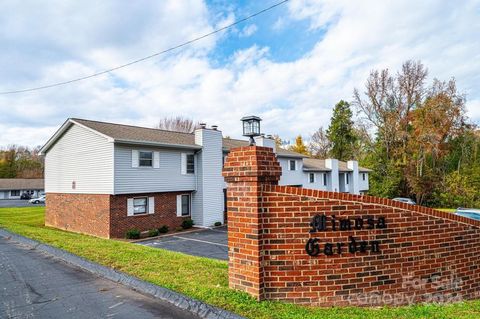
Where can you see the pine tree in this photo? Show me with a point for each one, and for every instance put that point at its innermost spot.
(341, 132)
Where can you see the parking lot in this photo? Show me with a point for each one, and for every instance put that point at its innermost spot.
(17, 203)
(211, 243)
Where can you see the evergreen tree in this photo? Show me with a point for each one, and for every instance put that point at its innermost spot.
(341, 132)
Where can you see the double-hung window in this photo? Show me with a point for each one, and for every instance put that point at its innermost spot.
(324, 179)
(293, 165)
(190, 164)
(312, 177)
(145, 159)
(183, 205)
(140, 206)
(15, 193)
(363, 176)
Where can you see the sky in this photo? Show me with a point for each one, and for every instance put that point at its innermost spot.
(289, 65)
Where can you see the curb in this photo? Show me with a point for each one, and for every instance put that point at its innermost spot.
(181, 301)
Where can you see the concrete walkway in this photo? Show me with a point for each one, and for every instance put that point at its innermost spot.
(210, 243)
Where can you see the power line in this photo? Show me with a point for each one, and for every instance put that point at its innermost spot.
(149, 56)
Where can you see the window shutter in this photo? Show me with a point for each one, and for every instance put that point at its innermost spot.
(130, 207)
(179, 205)
(156, 160)
(184, 163)
(134, 158)
(151, 205)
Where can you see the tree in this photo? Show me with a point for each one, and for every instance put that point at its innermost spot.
(299, 146)
(319, 144)
(341, 132)
(21, 162)
(178, 124)
(420, 137)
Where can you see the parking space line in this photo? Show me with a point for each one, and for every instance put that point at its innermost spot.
(202, 241)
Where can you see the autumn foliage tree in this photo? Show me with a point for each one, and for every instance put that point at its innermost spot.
(419, 146)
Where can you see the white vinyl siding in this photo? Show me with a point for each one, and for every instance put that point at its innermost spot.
(166, 178)
(80, 157)
(289, 177)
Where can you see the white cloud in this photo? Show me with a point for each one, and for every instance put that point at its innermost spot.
(292, 97)
(248, 30)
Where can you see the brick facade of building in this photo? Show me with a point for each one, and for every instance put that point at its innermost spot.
(106, 215)
(383, 252)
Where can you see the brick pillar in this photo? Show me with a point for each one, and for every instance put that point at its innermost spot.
(246, 169)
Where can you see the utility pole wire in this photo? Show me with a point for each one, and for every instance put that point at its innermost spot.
(147, 57)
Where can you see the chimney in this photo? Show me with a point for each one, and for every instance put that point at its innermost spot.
(332, 164)
(355, 183)
(266, 141)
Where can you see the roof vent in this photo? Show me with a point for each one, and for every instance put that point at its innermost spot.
(269, 136)
(214, 127)
(203, 125)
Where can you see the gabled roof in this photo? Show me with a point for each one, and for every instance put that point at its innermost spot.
(122, 133)
(229, 143)
(315, 164)
(21, 183)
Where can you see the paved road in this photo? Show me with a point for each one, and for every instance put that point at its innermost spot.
(17, 203)
(34, 285)
(211, 243)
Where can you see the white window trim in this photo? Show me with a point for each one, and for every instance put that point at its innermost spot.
(150, 209)
(179, 205)
(290, 167)
(184, 164)
(136, 159)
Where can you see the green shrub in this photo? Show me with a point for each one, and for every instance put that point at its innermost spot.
(133, 234)
(218, 224)
(153, 232)
(163, 229)
(179, 228)
(187, 223)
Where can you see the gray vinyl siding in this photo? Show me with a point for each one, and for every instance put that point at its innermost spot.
(83, 157)
(167, 178)
(208, 200)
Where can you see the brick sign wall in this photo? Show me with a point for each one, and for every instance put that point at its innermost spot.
(325, 248)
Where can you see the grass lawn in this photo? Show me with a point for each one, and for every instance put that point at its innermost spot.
(200, 278)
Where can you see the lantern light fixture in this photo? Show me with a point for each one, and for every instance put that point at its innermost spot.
(251, 127)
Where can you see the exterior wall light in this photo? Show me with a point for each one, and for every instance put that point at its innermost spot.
(251, 127)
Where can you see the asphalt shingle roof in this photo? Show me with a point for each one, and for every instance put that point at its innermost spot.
(315, 164)
(21, 183)
(123, 132)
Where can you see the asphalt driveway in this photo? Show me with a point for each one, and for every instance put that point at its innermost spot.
(17, 203)
(35, 285)
(210, 243)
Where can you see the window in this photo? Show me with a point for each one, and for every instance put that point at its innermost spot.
(324, 179)
(186, 205)
(312, 177)
(15, 193)
(363, 176)
(140, 206)
(145, 159)
(293, 165)
(190, 164)
(347, 178)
